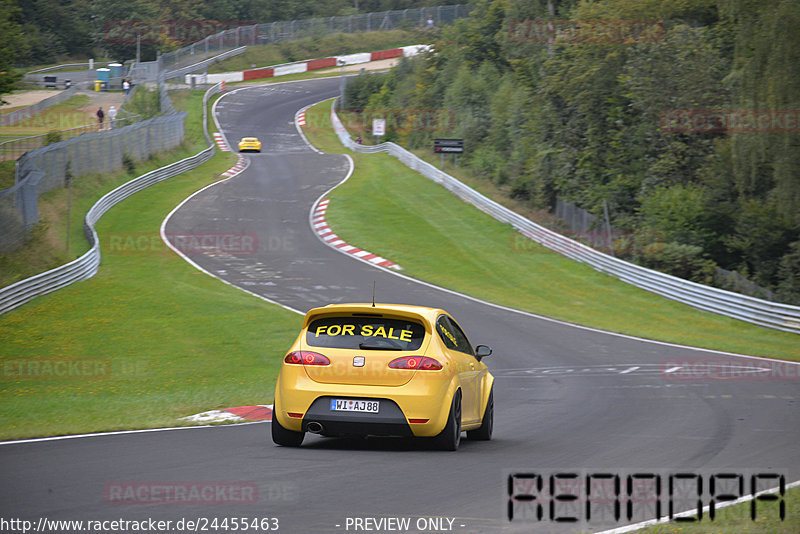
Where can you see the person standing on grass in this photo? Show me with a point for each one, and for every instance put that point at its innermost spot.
(100, 117)
(126, 86)
(112, 116)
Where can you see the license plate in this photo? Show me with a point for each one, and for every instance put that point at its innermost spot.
(349, 405)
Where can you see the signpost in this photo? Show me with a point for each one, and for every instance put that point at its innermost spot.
(448, 146)
(378, 127)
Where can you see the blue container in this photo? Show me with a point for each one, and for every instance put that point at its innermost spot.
(116, 70)
(104, 75)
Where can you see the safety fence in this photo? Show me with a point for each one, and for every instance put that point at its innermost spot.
(282, 31)
(88, 149)
(204, 64)
(761, 312)
(46, 168)
(86, 266)
(19, 115)
(14, 148)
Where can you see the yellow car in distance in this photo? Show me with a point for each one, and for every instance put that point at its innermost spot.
(249, 143)
(383, 370)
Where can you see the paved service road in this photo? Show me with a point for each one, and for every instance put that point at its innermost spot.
(567, 399)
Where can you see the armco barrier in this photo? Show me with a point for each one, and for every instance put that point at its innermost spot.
(761, 312)
(86, 266)
(202, 65)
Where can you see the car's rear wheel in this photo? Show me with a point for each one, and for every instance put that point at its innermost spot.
(484, 432)
(449, 438)
(284, 436)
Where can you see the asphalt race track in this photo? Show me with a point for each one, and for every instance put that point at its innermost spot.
(568, 400)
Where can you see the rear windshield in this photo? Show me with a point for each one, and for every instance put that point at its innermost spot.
(365, 333)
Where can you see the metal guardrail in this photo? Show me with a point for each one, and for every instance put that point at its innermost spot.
(282, 31)
(202, 65)
(67, 66)
(86, 266)
(761, 312)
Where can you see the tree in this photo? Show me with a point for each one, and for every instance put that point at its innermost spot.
(55, 28)
(11, 45)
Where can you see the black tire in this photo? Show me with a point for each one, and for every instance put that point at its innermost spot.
(484, 432)
(284, 436)
(449, 438)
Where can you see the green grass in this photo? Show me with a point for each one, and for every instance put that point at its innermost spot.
(737, 520)
(48, 245)
(315, 47)
(176, 341)
(169, 340)
(61, 116)
(392, 211)
(6, 174)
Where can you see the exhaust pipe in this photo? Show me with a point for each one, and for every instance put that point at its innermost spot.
(314, 427)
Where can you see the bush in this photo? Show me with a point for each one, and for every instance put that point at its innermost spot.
(144, 102)
(51, 137)
(489, 163)
(789, 275)
(361, 88)
(128, 164)
(684, 261)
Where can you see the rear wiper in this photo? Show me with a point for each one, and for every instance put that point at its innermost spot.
(367, 346)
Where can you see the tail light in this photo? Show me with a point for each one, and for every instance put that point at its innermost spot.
(420, 363)
(306, 357)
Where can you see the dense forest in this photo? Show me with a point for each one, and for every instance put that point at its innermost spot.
(682, 117)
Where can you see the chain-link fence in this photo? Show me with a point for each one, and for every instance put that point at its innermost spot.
(17, 116)
(586, 227)
(14, 148)
(44, 169)
(278, 32)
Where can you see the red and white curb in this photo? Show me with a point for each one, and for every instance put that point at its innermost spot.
(326, 234)
(301, 118)
(305, 66)
(220, 140)
(241, 164)
(239, 414)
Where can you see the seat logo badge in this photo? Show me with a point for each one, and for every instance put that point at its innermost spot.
(358, 361)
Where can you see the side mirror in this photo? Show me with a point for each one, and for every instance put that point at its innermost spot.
(482, 351)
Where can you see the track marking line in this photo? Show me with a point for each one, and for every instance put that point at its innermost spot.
(689, 513)
(321, 202)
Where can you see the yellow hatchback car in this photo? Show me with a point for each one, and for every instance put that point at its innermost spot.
(383, 370)
(249, 143)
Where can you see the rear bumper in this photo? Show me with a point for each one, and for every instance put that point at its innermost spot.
(389, 422)
(309, 401)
